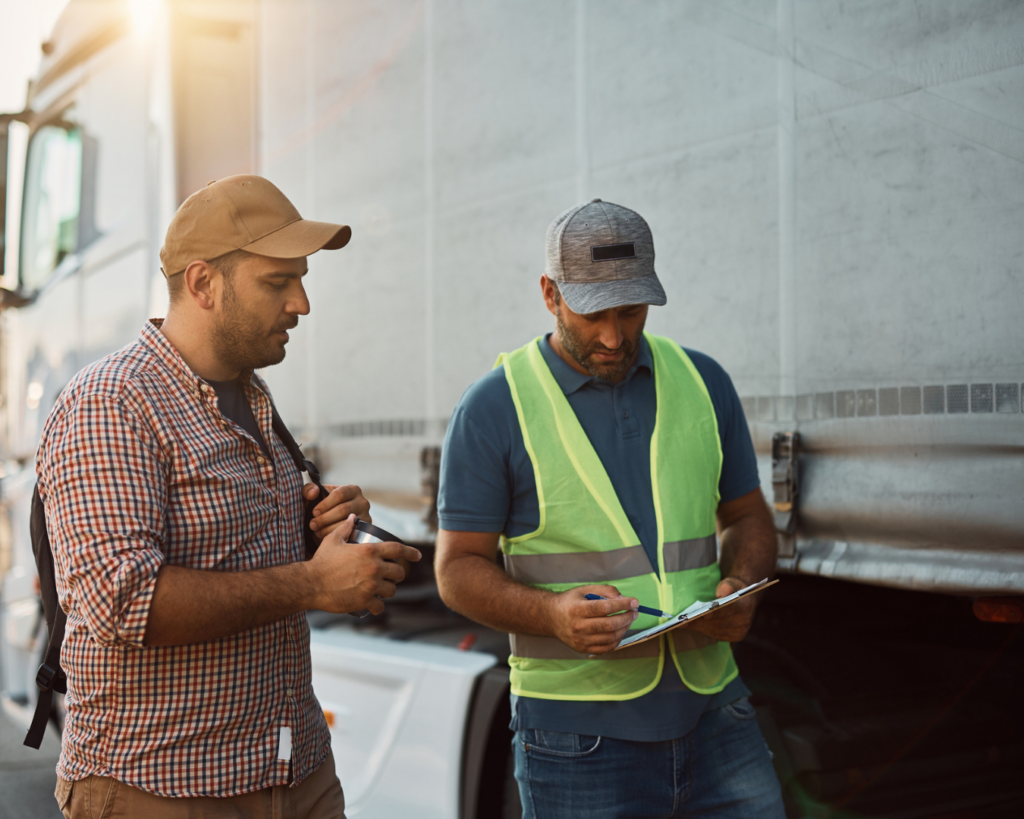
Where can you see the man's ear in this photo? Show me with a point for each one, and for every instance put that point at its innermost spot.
(548, 289)
(200, 283)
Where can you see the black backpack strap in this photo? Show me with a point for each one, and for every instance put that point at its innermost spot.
(303, 464)
(50, 676)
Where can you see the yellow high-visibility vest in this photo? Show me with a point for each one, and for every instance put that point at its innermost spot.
(584, 536)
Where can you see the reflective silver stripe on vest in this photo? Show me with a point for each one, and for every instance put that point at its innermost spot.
(579, 567)
(681, 555)
(607, 567)
(550, 648)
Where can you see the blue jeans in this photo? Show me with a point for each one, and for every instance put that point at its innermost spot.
(720, 769)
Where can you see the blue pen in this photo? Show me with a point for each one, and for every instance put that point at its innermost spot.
(644, 609)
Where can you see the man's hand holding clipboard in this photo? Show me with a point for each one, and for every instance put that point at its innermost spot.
(716, 618)
(731, 623)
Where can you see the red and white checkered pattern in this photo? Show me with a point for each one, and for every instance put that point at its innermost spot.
(137, 467)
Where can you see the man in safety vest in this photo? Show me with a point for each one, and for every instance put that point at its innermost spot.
(603, 459)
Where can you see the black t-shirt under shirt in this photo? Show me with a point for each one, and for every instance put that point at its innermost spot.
(235, 407)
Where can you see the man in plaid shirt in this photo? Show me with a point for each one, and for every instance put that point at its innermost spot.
(175, 518)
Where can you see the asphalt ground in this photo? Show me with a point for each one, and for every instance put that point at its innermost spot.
(27, 777)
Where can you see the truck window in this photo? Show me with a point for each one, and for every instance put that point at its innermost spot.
(52, 201)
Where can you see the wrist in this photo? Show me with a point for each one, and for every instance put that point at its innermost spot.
(307, 582)
(550, 603)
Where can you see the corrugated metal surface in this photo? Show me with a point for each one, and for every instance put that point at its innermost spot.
(836, 192)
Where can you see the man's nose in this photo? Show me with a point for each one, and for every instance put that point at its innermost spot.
(611, 333)
(298, 304)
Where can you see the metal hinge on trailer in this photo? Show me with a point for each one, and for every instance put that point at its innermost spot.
(430, 481)
(786, 488)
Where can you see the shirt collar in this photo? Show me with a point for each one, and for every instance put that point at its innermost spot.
(162, 348)
(570, 380)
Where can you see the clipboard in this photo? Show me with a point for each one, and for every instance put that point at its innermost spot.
(694, 612)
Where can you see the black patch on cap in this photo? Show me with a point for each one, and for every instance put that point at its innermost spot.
(606, 253)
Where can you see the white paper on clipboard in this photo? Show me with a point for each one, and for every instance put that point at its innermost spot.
(688, 615)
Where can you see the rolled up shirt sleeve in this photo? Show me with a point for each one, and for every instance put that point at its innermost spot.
(104, 487)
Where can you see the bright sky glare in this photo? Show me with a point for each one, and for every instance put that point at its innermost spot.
(23, 28)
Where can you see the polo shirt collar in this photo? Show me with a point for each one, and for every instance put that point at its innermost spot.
(570, 380)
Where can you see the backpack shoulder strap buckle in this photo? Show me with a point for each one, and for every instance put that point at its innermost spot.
(45, 676)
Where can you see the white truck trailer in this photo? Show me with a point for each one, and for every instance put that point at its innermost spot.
(836, 192)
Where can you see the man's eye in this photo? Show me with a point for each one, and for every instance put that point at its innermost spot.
(278, 285)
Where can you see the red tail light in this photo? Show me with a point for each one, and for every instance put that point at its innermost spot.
(999, 609)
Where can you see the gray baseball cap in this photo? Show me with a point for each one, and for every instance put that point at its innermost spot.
(602, 256)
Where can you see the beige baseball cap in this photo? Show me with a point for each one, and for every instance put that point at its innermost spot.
(243, 212)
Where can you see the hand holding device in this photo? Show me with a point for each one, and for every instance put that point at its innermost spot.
(355, 568)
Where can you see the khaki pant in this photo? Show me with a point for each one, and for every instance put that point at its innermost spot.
(101, 797)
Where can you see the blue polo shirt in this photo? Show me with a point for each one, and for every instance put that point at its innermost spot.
(487, 485)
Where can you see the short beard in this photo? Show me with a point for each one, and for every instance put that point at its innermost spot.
(581, 352)
(239, 342)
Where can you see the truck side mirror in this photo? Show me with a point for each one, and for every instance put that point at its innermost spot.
(9, 192)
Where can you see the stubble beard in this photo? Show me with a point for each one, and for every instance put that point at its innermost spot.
(240, 342)
(582, 352)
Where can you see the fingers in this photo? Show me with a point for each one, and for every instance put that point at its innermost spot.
(391, 550)
(604, 625)
(322, 533)
(601, 642)
(593, 626)
(727, 586)
(393, 572)
(338, 505)
(604, 647)
(730, 625)
(341, 532)
(337, 495)
(387, 590)
(600, 608)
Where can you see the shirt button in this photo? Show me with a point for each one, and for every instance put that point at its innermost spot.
(625, 413)
(261, 460)
(204, 387)
(289, 692)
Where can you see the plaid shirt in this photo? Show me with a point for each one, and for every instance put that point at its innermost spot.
(137, 467)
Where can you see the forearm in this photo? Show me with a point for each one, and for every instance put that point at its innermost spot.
(749, 548)
(194, 606)
(478, 588)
